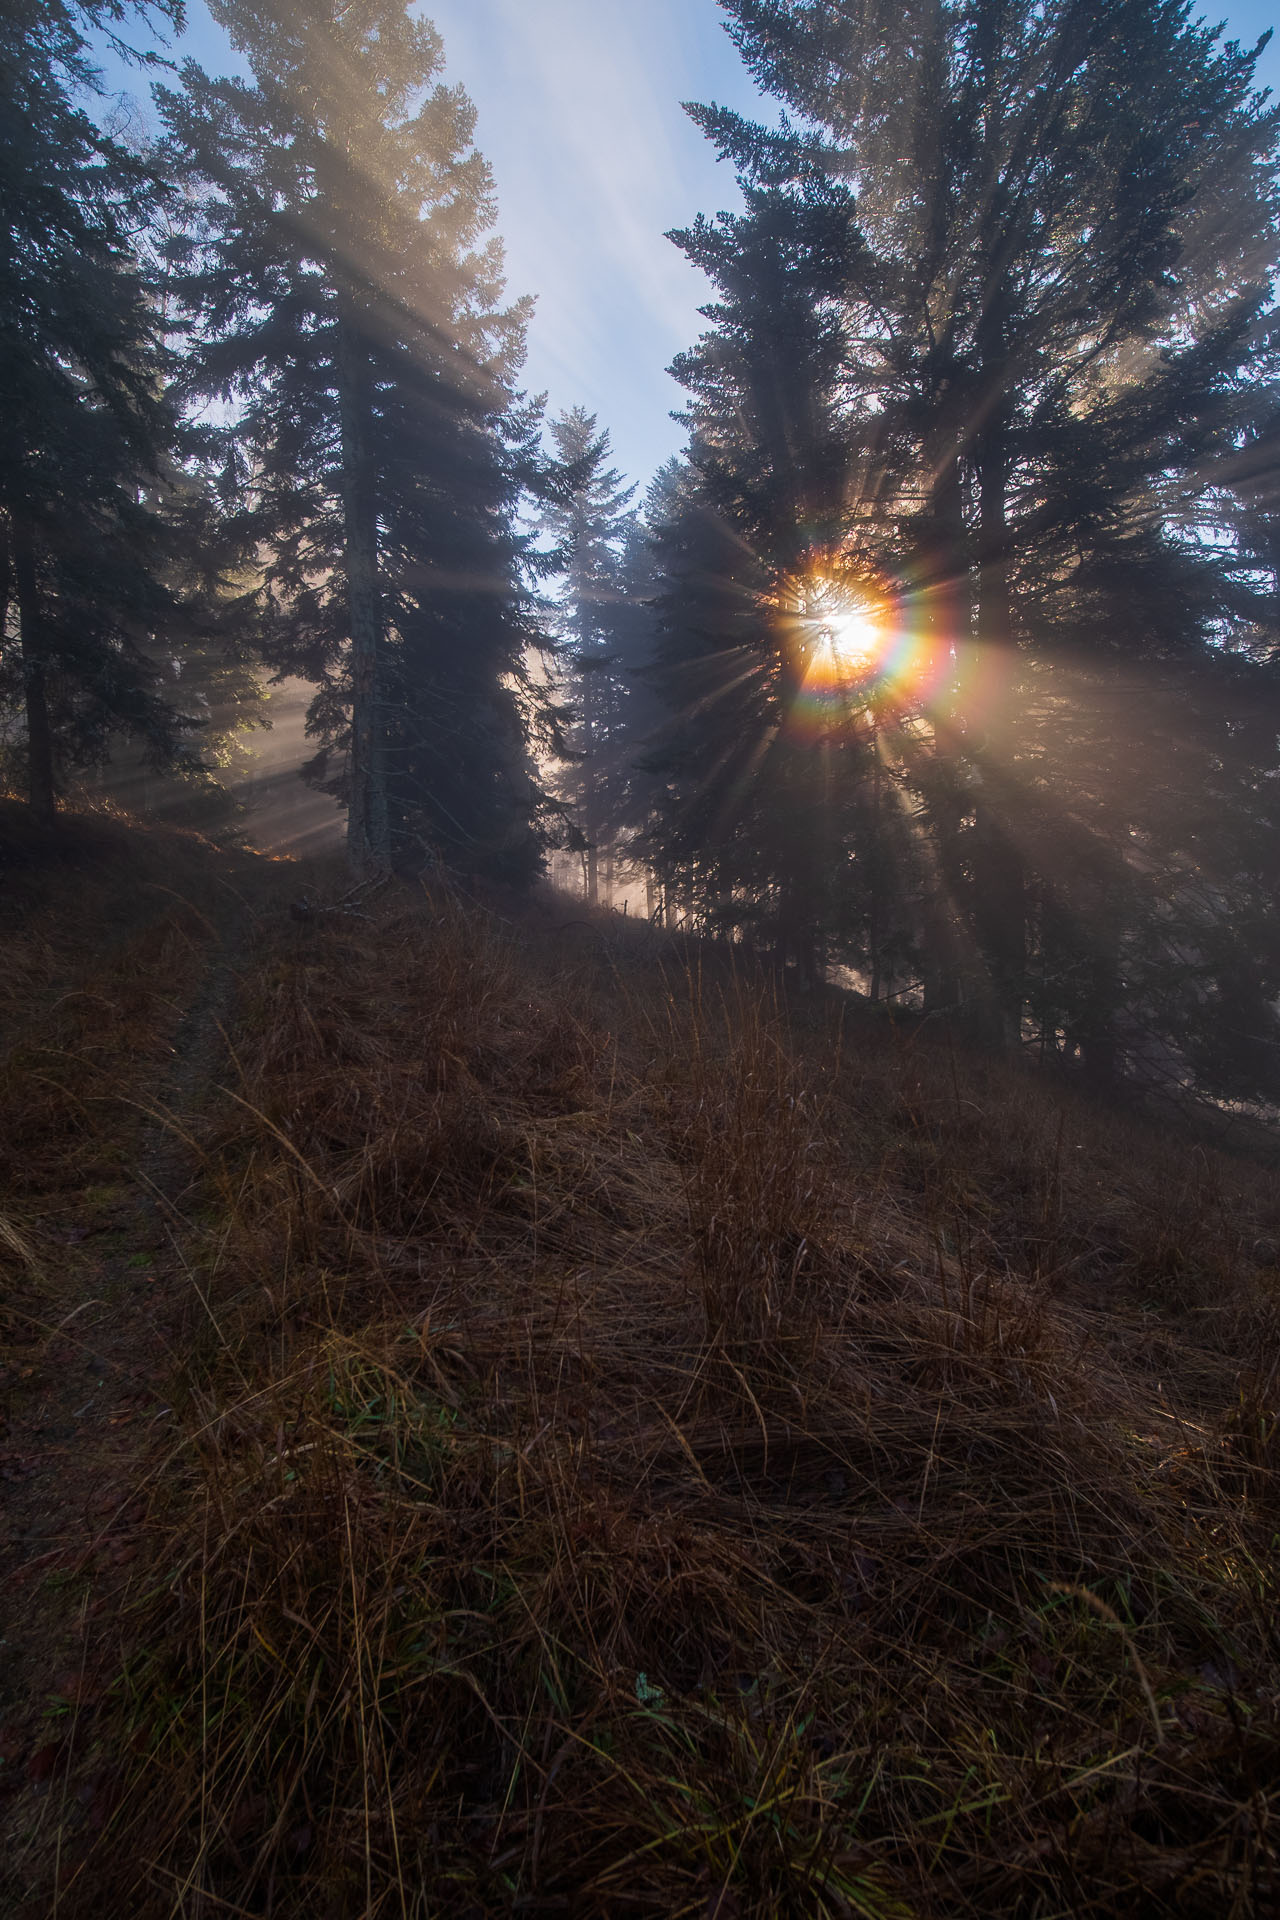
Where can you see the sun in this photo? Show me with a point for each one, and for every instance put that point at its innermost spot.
(843, 637)
(854, 638)
(860, 650)
(844, 643)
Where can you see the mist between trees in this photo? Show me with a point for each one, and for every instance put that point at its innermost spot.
(945, 655)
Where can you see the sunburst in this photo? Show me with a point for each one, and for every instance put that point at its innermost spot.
(844, 637)
(854, 637)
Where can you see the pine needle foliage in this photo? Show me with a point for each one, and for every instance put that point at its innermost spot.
(95, 532)
(992, 341)
(348, 296)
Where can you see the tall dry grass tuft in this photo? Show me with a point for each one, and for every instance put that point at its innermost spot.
(755, 1164)
(649, 1455)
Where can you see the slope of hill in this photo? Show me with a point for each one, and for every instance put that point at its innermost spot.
(566, 1432)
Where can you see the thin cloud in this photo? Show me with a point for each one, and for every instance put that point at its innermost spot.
(579, 113)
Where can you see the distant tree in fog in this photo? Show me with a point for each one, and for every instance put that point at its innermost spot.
(590, 523)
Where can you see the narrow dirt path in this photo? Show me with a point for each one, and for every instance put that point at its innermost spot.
(86, 1423)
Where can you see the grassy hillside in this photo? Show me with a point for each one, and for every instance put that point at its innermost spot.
(575, 1435)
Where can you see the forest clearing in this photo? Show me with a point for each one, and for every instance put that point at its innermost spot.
(506, 1411)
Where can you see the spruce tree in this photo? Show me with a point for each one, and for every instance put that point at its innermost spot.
(1055, 230)
(589, 520)
(88, 543)
(348, 302)
(787, 801)
(629, 785)
(776, 813)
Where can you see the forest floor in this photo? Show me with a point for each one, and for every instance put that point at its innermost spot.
(502, 1413)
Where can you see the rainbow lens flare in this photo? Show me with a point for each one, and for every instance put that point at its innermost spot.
(857, 647)
(851, 643)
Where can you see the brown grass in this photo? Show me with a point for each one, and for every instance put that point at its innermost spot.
(647, 1451)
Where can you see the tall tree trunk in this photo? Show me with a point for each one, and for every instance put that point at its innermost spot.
(368, 822)
(590, 782)
(999, 882)
(947, 614)
(879, 870)
(999, 879)
(40, 783)
(1102, 994)
(6, 581)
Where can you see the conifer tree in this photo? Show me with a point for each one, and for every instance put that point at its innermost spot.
(88, 544)
(1045, 289)
(590, 522)
(349, 306)
(630, 785)
(787, 799)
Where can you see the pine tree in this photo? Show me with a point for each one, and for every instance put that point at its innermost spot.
(777, 816)
(88, 546)
(1052, 236)
(589, 520)
(348, 302)
(207, 661)
(629, 785)
(787, 800)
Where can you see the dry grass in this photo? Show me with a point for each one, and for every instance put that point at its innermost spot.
(104, 933)
(647, 1455)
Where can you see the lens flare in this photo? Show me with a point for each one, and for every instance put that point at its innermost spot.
(841, 637)
(853, 641)
(863, 645)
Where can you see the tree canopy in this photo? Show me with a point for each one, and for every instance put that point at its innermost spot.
(95, 523)
(991, 358)
(946, 654)
(348, 306)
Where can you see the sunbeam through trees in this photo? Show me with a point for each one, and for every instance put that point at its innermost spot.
(992, 344)
(639, 1236)
(945, 655)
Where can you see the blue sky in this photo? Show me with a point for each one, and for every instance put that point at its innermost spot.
(579, 113)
